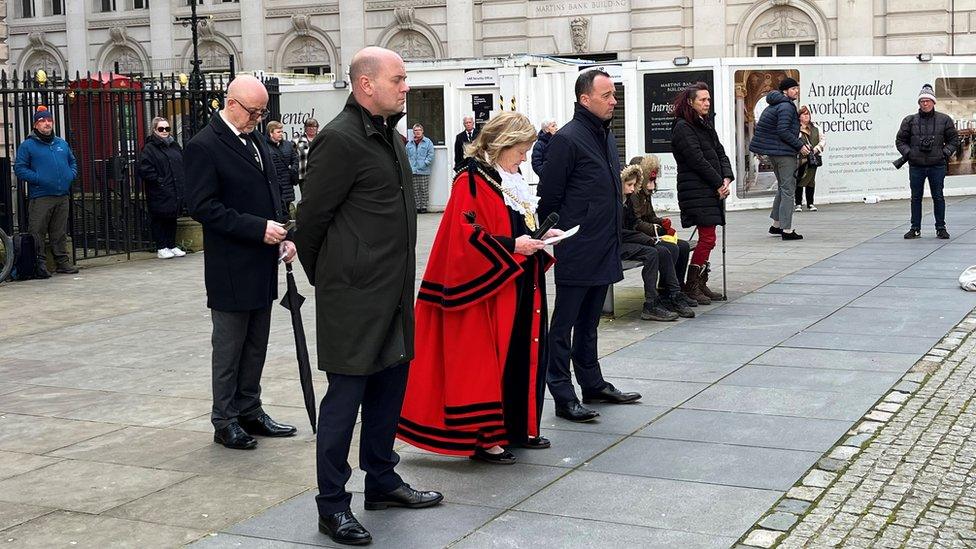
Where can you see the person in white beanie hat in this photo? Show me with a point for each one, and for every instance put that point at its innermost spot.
(927, 139)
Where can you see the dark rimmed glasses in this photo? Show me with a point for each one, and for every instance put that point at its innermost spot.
(259, 114)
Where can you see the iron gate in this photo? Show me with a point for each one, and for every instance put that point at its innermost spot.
(105, 118)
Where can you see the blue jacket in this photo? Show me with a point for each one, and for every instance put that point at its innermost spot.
(49, 169)
(539, 152)
(421, 156)
(778, 130)
(581, 182)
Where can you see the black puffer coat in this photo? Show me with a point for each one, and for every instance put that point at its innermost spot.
(937, 127)
(702, 165)
(286, 164)
(161, 171)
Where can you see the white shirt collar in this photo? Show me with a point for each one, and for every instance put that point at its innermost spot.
(233, 129)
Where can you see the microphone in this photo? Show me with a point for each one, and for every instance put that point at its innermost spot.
(549, 223)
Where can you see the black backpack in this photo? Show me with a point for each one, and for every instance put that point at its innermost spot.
(25, 257)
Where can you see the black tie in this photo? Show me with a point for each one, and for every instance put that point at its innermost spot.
(252, 146)
(469, 136)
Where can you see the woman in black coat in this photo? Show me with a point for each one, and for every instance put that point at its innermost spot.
(285, 159)
(161, 171)
(704, 179)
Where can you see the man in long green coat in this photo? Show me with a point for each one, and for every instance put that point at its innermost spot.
(356, 234)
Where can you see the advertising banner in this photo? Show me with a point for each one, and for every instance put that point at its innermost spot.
(660, 89)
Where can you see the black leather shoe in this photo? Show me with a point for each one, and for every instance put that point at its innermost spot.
(504, 458)
(610, 394)
(537, 443)
(574, 411)
(264, 426)
(233, 437)
(404, 496)
(775, 230)
(343, 528)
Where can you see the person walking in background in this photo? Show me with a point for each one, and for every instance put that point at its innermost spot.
(546, 132)
(927, 139)
(161, 171)
(285, 161)
(46, 163)
(302, 144)
(581, 182)
(463, 139)
(478, 381)
(778, 137)
(233, 192)
(357, 234)
(420, 151)
(807, 173)
(704, 179)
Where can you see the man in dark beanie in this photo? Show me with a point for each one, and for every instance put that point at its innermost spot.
(927, 139)
(46, 163)
(778, 137)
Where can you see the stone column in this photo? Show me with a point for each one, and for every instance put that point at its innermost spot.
(855, 30)
(709, 28)
(352, 32)
(161, 37)
(76, 18)
(252, 36)
(460, 28)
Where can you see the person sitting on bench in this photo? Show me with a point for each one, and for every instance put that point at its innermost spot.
(638, 246)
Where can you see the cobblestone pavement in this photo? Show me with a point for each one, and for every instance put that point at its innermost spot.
(913, 484)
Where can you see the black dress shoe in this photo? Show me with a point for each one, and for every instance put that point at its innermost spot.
(343, 528)
(503, 458)
(775, 230)
(610, 394)
(536, 443)
(404, 496)
(574, 411)
(264, 426)
(232, 436)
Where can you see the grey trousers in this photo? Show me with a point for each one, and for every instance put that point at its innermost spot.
(240, 343)
(785, 169)
(48, 215)
(421, 191)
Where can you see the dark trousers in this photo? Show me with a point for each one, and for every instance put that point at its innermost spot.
(916, 178)
(163, 231)
(657, 261)
(240, 343)
(381, 396)
(572, 334)
(48, 215)
(800, 191)
(680, 252)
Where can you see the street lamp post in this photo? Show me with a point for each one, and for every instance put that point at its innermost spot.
(196, 78)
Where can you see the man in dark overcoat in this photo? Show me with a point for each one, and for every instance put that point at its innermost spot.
(463, 139)
(581, 182)
(356, 234)
(233, 191)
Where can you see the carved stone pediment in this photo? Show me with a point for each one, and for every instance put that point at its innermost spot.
(783, 23)
(306, 50)
(410, 44)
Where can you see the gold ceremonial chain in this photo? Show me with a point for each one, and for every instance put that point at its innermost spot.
(529, 216)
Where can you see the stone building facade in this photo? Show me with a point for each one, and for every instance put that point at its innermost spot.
(310, 36)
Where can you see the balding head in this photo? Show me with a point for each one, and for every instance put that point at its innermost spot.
(378, 79)
(246, 100)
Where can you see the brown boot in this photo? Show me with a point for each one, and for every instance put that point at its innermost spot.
(714, 296)
(692, 287)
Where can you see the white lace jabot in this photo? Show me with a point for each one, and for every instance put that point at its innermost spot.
(515, 184)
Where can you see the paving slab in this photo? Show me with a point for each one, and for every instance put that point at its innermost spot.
(296, 521)
(725, 336)
(231, 541)
(696, 507)
(693, 352)
(815, 379)
(521, 529)
(665, 370)
(764, 431)
(15, 463)
(835, 359)
(863, 342)
(12, 514)
(622, 419)
(815, 289)
(66, 529)
(285, 460)
(138, 446)
(783, 402)
(896, 322)
(37, 435)
(726, 464)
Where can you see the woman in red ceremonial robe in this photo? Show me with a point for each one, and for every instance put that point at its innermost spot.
(476, 384)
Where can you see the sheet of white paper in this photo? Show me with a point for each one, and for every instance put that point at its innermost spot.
(565, 235)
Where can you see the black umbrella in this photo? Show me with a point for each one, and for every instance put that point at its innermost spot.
(293, 302)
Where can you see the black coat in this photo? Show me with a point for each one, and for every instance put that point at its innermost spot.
(937, 126)
(702, 165)
(285, 160)
(581, 182)
(233, 198)
(161, 171)
(460, 141)
(356, 234)
(539, 152)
